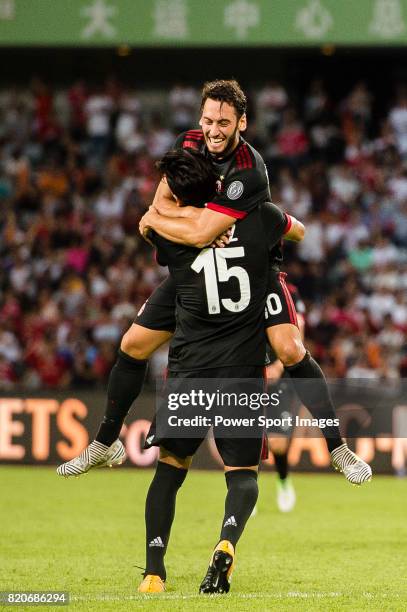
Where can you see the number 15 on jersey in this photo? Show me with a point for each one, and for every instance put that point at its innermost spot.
(214, 264)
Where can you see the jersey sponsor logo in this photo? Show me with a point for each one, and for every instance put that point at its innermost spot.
(235, 190)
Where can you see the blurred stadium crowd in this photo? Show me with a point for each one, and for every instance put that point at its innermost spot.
(77, 172)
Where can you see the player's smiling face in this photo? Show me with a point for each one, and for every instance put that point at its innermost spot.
(221, 126)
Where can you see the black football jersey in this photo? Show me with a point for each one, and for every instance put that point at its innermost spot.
(243, 181)
(221, 292)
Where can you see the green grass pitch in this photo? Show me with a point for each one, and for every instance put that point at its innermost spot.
(343, 548)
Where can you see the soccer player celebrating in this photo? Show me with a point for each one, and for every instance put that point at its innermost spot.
(219, 334)
(241, 177)
(242, 184)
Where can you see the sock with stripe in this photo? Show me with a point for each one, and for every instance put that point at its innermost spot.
(314, 394)
(125, 383)
(159, 515)
(240, 500)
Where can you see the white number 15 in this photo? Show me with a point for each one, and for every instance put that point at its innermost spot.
(211, 259)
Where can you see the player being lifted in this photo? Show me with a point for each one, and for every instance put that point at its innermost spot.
(242, 185)
(279, 438)
(220, 300)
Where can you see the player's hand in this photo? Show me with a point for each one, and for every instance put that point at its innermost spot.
(274, 371)
(222, 240)
(145, 224)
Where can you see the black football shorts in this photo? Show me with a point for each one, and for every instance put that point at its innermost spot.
(235, 452)
(158, 311)
(280, 306)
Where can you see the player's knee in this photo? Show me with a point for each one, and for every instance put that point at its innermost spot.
(171, 459)
(132, 345)
(290, 351)
(279, 445)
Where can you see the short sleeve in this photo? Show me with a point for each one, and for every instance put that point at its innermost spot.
(276, 223)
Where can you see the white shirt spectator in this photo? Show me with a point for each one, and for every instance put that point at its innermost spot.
(398, 187)
(127, 123)
(399, 314)
(311, 249)
(384, 253)
(343, 184)
(334, 233)
(19, 276)
(380, 304)
(9, 346)
(110, 203)
(354, 235)
(184, 103)
(296, 200)
(398, 121)
(159, 142)
(391, 337)
(99, 287)
(124, 310)
(98, 109)
(107, 331)
(362, 371)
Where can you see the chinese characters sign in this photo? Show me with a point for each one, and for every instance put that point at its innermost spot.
(197, 23)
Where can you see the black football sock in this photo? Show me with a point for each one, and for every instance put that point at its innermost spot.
(125, 383)
(281, 461)
(240, 500)
(315, 396)
(159, 516)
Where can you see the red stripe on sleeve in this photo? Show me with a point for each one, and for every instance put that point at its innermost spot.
(289, 220)
(245, 157)
(194, 135)
(240, 160)
(237, 214)
(190, 144)
(246, 154)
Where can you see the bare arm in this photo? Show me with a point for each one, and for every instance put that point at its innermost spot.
(163, 196)
(296, 231)
(165, 204)
(198, 228)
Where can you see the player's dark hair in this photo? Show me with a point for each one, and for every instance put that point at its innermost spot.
(225, 91)
(190, 175)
